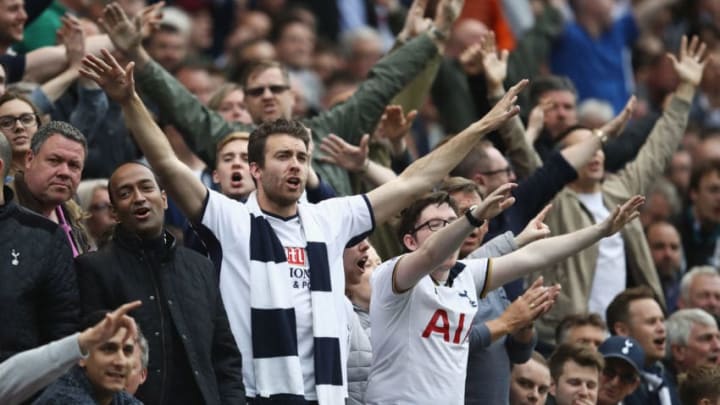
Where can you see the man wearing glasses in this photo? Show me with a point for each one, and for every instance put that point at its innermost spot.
(621, 375)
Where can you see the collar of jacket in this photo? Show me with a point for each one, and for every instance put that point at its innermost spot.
(162, 246)
(10, 206)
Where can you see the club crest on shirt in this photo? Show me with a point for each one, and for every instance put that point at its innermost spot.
(464, 294)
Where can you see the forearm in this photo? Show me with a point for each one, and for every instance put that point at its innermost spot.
(521, 153)
(542, 254)
(579, 154)
(376, 174)
(44, 63)
(520, 345)
(181, 183)
(57, 86)
(431, 255)
(26, 373)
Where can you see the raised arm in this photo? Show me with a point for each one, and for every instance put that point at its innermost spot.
(654, 156)
(360, 114)
(388, 199)
(180, 182)
(445, 242)
(546, 252)
(484, 58)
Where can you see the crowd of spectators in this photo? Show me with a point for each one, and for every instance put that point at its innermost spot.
(360, 202)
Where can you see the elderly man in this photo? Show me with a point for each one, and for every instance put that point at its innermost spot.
(52, 174)
(693, 339)
(700, 288)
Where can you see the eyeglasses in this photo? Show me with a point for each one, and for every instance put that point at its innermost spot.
(507, 170)
(433, 225)
(274, 89)
(27, 120)
(626, 378)
(100, 207)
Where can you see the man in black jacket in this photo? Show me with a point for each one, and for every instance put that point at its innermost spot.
(38, 293)
(193, 355)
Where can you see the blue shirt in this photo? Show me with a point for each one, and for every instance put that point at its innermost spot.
(599, 67)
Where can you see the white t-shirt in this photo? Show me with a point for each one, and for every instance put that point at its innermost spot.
(420, 337)
(610, 271)
(341, 219)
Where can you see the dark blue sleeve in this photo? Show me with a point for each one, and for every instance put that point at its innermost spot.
(14, 67)
(323, 191)
(538, 190)
(519, 352)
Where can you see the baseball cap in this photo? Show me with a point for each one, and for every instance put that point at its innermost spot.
(625, 348)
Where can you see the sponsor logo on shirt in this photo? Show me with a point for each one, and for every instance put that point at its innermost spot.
(299, 271)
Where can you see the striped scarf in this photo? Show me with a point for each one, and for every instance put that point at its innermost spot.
(278, 374)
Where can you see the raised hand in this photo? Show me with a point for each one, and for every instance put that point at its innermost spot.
(535, 302)
(691, 62)
(494, 64)
(622, 215)
(125, 34)
(415, 22)
(535, 229)
(394, 126)
(616, 125)
(72, 36)
(340, 153)
(118, 82)
(446, 14)
(150, 18)
(536, 120)
(502, 111)
(495, 203)
(109, 326)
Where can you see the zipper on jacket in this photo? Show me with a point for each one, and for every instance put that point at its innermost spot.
(163, 378)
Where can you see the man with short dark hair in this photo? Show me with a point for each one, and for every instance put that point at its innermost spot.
(575, 371)
(666, 250)
(530, 381)
(636, 313)
(53, 170)
(99, 378)
(586, 329)
(700, 225)
(194, 355)
(620, 377)
(38, 293)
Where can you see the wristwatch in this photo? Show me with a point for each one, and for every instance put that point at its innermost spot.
(601, 135)
(471, 218)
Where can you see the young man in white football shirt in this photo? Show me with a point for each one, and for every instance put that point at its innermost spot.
(423, 302)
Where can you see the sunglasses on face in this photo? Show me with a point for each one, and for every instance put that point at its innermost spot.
(626, 378)
(274, 89)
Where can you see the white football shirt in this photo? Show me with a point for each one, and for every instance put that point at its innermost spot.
(420, 337)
